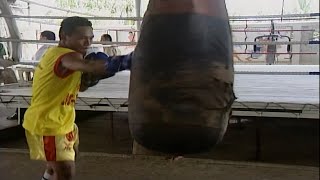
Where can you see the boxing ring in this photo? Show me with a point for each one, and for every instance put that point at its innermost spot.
(261, 91)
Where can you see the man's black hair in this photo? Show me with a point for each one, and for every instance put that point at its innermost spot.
(69, 24)
(107, 36)
(49, 35)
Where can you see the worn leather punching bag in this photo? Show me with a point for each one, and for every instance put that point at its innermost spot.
(181, 86)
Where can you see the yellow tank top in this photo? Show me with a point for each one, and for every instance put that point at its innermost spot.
(52, 109)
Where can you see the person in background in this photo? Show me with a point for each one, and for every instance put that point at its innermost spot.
(110, 50)
(44, 36)
(132, 36)
(132, 39)
(2, 51)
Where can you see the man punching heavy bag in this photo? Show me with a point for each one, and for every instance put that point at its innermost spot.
(181, 86)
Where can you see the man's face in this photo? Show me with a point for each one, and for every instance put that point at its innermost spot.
(43, 38)
(131, 37)
(103, 40)
(80, 40)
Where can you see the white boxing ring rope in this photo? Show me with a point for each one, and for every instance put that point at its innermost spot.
(58, 24)
(276, 30)
(276, 16)
(233, 30)
(62, 17)
(306, 15)
(56, 8)
(277, 69)
(231, 18)
(108, 44)
(134, 43)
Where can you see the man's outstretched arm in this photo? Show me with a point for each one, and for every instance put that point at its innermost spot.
(113, 64)
(116, 64)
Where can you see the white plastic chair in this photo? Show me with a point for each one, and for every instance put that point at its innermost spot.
(24, 74)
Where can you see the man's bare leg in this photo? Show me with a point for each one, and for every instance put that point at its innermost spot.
(63, 170)
(48, 173)
(76, 151)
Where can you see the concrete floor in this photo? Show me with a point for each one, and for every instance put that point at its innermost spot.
(291, 142)
(15, 165)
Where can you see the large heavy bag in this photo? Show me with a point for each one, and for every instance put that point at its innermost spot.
(181, 85)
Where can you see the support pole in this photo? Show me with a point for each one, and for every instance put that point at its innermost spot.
(13, 30)
(138, 14)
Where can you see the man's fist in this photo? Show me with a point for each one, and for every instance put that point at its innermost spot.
(112, 65)
(90, 79)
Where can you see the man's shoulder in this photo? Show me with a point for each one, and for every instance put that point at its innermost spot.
(57, 51)
(58, 48)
